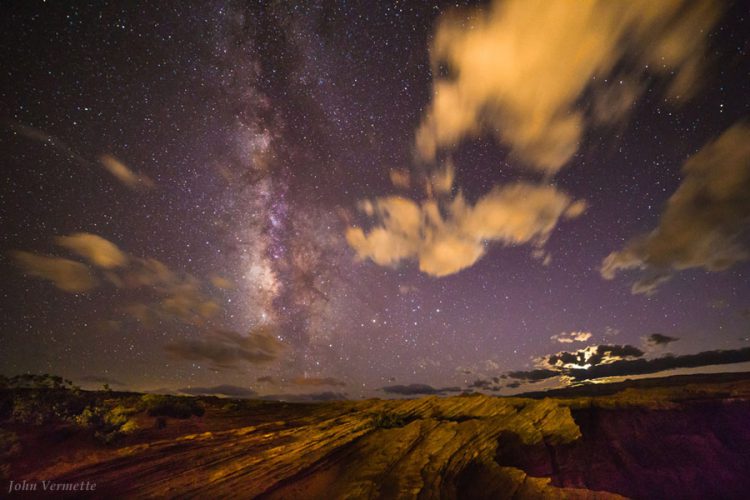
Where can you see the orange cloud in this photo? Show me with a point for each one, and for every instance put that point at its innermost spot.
(521, 67)
(65, 274)
(222, 283)
(400, 178)
(442, 245)
(100, 252)
(133, 180)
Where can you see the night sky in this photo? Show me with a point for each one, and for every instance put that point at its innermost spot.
(373, 198)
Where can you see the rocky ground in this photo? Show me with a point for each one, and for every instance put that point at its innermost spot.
(678, 438)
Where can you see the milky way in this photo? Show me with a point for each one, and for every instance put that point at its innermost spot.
(331, 199)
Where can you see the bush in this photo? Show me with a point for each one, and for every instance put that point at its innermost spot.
(232, 406)
(129, 426)
(48, 399)
(108, 424)
(39, 399)
(385, 420)
(40, 406)
(159, 405)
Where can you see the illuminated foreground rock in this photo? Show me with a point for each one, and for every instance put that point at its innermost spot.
(644, 443)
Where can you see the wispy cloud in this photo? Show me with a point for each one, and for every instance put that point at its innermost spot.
(67, 275)
(222, 283)
(131, 179)
(165, 295)
(227, 349)
(124, 174)
(98, 251)
(704, 220)
(570, 337)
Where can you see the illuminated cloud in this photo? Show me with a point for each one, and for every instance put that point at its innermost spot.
(570, 337)
(95, 249)
(628, 363)
(400, 178)
(564, 363)
(650, 283)
(164, 295)
(441, 180)
(513, 214)
(521, 67)
(645, 366)
(704, 220)
(189, 305)
(591, 356)
(65, 274)
(602, 361)
(133, 180)
(222, 283)
(227, 349)
(149, 272)
(47, 139)
(168, 295)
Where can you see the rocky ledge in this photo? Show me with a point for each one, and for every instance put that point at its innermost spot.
(686, 440)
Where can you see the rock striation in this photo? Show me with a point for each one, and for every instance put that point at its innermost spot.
(687, 441)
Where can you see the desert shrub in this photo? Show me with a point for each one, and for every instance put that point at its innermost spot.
(129, 426)
(35, 381)
(159, 405)
(39, 399)
(28, 411)
(108, 423)
(233, 406)
(388, 420)
(39, 406)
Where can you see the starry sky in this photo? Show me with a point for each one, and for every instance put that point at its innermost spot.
(354, 199)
